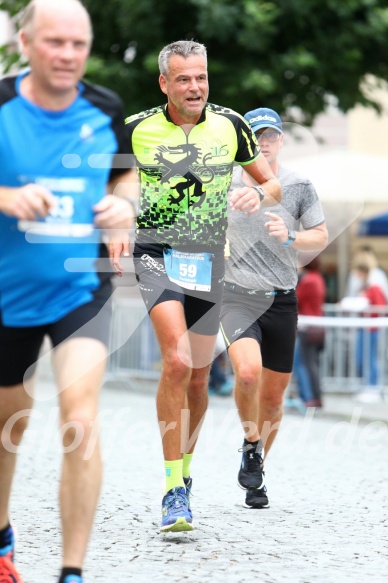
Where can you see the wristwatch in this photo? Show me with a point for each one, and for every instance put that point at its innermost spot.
(260, 192)
(291, 238)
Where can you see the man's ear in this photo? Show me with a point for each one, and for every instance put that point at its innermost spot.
(163, 83)
(23, 43)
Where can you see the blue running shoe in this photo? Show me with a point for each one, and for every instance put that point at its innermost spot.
(9, 549)
(8, 571)
(73, 579)
(176, 513)
(189, 486)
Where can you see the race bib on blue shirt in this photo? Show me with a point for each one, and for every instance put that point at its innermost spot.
(72, 215)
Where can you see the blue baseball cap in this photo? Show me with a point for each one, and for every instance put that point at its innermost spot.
(263, 117)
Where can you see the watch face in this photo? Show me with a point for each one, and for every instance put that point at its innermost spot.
(291, 235)
(260, 192)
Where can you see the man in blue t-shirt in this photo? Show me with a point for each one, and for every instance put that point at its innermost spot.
(59, 139)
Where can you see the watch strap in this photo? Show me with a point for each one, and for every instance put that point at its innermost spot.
(260, 192)
(291, 238)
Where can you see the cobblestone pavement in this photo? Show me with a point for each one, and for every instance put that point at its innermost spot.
(326, 479)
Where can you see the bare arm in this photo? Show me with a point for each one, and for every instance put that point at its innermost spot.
(116, 213)
(314, 239)
(262, 174)
(117, 210)
(27, 202)
(247, 198)
(126, 185)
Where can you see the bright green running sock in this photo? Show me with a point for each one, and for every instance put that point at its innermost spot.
(173, 471)
(187, 457)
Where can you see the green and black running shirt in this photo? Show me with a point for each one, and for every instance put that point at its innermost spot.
(185, 179)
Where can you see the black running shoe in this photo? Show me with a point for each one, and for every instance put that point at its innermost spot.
(256, 498)
(251, 474)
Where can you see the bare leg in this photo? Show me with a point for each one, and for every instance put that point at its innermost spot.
(80, 366)
(184, 376)
(12, 401)
(271, 393)
(169, 324)
(202, 349)
(245, 356)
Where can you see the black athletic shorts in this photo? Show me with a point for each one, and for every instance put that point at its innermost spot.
(155, 287)
(20, 347)
(270, 319)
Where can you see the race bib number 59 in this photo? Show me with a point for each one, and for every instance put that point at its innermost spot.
(189, 270)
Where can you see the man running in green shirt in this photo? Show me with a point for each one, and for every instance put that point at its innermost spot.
(185, 152)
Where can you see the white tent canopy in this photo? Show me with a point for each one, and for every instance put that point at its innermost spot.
(340, 175)
(345, 182)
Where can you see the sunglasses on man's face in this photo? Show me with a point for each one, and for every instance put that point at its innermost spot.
(271, 136)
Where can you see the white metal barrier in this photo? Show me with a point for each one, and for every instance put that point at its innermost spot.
(135, 353)
(343, 363)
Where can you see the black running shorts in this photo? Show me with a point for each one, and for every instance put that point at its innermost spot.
(270, 319)
(155, 288)
(20, 347)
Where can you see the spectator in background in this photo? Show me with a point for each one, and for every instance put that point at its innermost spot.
(366, 255)
(219, 383)
(300, 374)
(302, 380)
(311, 291)
(367, 340)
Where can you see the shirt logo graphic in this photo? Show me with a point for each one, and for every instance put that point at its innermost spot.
(184, 166)
(86, 132)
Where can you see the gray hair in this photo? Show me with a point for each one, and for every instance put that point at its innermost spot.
(183, 48)
(26, 22)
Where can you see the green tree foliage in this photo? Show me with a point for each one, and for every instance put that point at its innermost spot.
(280, 54)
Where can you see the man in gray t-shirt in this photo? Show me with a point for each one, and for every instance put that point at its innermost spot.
(259, 311)
(258, 259)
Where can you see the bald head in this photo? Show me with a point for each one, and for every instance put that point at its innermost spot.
(30, 17)
(55, 38)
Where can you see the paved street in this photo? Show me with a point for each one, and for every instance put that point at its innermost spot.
(327, 484)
